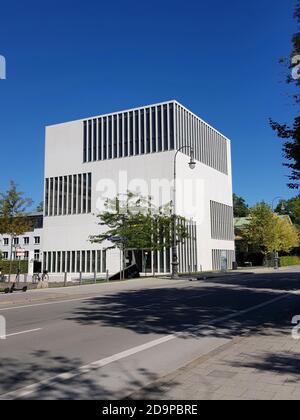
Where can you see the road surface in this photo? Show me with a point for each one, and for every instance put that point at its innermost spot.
(108, 341)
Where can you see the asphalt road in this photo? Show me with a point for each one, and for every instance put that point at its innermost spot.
(107, 341)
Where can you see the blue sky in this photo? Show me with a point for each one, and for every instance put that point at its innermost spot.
(71, 59)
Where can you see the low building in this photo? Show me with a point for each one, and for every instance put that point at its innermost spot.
(31, 242)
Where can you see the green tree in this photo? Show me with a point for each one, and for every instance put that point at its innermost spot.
(40, 207)
(240, 208)
(291, 208)
(13, 219)
(291, 133)
(267, 232)
(133, 222)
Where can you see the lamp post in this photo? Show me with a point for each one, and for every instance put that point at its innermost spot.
(276, 259)
(192, 165)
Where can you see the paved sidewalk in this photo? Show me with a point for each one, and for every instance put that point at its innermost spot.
(260, 367)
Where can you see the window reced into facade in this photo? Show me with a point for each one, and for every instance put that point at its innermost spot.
(75, 261)
(66, 195)
(209, 146)
(218, 255)
(221, 221)
(147, 130)
(153, 129)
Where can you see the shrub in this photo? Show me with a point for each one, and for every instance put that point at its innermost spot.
(290, 260)
(4, 267)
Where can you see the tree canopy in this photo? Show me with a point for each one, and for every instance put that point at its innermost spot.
(291, 133)
(133, 222)
(13, 207)
(267, 232)
(240, 207)
(291, 208)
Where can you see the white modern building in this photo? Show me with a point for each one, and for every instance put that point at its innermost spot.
(31, 242)
(94, 158)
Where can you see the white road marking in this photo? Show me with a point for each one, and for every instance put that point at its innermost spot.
(49, 303)
(28, 390)
(24, 332)
(69, 301)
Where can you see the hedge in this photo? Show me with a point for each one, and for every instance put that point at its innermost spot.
(4, 267)
(290, 260)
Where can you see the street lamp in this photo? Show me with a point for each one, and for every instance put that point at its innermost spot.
(192, 165)
(276, 259)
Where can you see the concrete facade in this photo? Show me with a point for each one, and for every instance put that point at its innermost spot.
(75, 149)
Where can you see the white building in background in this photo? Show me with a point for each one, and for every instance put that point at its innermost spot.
(31, 242)
(89, 160)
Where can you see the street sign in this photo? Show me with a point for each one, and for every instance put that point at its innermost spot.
(20, 252)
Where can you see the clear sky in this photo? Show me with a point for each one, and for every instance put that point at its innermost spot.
(71, 59)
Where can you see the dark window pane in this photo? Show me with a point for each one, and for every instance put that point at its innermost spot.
(159, 129)
(95, 140)
(109, 137)
(90, 142)
(153, 130)
(115, 136)
(100, 139)
(84, 141)
(131, 133)
(148, 130)
(120, 136)
(104, 138)
(166, 130)
(142, 132)
(172, 133)
(137, 150)
(125, 135)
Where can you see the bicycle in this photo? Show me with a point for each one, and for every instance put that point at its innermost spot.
(37, 277)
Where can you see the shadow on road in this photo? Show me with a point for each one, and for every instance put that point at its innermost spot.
(192, 311)
(17, 374)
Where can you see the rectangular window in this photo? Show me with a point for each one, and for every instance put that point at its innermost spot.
(121, 135)
(221, 221)
(125, 135)
(166, 130)
(94, 140)
(84, 185)
(6, 241)
(70, 195)
(78, 268)
(90, 141)
(74, 194)
(55, 196)
(137, 134)
(51, 197)
(16, 241)
(142, 132)
(109, 137)
(79, 193)
(148, 149)
(65, 194)
(47, 197)
(60, 195)
(115, 136)
(159, 128)
(89, 209)
(100, 139)
(37, 240)
(83, 269)
(59, 262)
(84, 141)
(26, 240)
(172, 127)
(131, 133)
(153, 112)
(104, 138)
